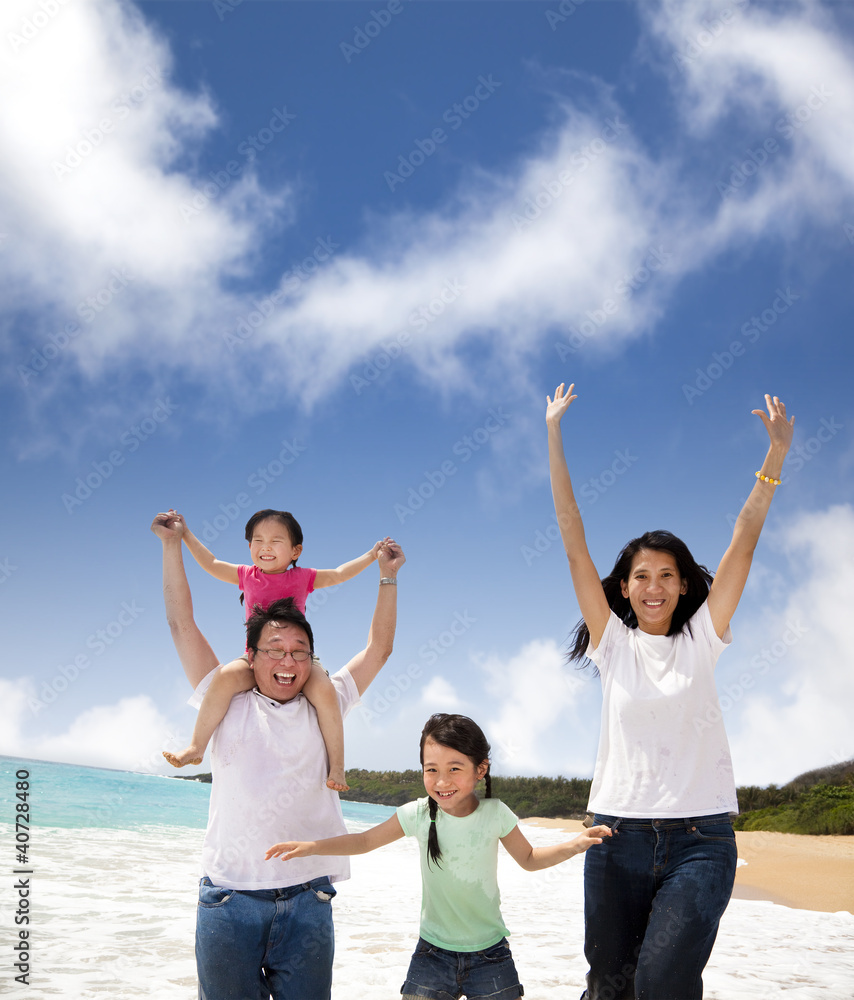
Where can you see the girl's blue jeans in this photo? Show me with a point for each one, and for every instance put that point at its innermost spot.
(654, 894)
(437, 974)
(254, 944)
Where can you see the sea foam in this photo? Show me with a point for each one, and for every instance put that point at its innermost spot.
(113, 915)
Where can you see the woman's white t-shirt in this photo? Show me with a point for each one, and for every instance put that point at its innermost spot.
(663, 750)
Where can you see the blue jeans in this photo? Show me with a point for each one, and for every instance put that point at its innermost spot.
(279, 942)
(448, 975)
(654, 894)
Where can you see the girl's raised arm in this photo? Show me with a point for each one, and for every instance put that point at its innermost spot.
(731, 576)
(585, 579)
(227, 572)
(346, 571)
(350, 843)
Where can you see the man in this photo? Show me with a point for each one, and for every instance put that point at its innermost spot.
(265, 927)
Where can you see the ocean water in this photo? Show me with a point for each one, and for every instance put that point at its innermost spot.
(108, 888)
(69, 796)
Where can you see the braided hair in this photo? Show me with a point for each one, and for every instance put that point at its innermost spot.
(460, 733)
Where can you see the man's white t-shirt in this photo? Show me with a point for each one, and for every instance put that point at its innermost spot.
(663, 750)
(269, 769)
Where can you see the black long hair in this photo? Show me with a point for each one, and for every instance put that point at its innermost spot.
(460, 733)
(697, 578)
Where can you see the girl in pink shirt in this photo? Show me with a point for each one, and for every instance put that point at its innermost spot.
(275, 544)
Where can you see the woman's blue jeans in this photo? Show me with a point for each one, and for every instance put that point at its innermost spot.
(654, 894)
(279, 942)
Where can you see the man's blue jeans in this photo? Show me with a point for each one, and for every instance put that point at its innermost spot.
(277, 942)
(654, 894)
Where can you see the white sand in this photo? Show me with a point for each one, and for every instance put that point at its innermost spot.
(114, 914)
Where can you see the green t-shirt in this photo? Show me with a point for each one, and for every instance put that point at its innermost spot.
(460, 902)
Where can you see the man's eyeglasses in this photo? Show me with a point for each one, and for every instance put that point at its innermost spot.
(297, 655)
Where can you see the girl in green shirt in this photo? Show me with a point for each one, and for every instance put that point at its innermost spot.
(462, 949)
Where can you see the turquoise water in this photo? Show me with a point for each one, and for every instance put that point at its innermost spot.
(70, 796)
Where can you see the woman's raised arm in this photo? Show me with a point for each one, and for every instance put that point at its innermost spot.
(585, 579)
(728, 585)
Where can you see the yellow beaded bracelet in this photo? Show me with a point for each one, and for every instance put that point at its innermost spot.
(768, 479)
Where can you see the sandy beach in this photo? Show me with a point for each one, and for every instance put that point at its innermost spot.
(806, 873)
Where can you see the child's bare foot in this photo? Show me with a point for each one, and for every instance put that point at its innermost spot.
(189, 756)
(337, 782)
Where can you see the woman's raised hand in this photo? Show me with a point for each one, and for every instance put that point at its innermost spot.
(556, 408)
(779, 429)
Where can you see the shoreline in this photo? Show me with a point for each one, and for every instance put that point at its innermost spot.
(801, 872)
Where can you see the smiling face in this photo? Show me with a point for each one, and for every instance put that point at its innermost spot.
(451, 778)
(271, 548)
(283, 679)
(653, 589)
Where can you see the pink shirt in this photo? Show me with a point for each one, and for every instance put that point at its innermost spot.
(264, 588)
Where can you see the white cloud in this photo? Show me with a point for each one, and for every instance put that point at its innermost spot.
(440, 696)
(539, 715)
(15, 697)
(509, 255)
(97, 139)
(804, 648)
(780, 76)
(535, 721)
(129, 735)
(582, 242)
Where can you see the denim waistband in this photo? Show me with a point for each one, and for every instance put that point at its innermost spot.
(665, 823)
(288, 892)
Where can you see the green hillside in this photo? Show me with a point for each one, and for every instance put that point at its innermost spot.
(820, 801)
(555, 797)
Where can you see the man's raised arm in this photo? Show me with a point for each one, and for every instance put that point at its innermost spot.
(365, 666)
(194, 651)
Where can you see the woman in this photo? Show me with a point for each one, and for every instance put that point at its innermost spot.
(655, 891)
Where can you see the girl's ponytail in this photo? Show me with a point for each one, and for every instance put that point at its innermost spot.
(460, 733)
(433, 850)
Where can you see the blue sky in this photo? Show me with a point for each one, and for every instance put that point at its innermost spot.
(330, 257)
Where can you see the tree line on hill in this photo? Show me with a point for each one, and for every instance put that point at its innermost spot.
(817, 802)
(563, 798)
